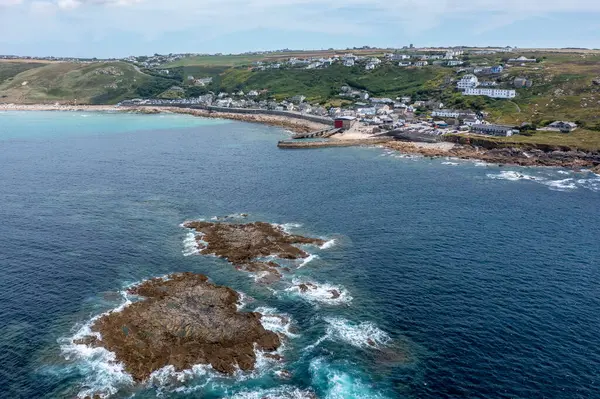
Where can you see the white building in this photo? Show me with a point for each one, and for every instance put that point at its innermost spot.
(404, 64)
(349, 62)
(493, 93)
(468, 82)
(455, 63)
(370, 66)
(446, 113)
(421, 63)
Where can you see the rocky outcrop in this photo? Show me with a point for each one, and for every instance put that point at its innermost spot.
(183, 320)
(524, 156)
(243, 244)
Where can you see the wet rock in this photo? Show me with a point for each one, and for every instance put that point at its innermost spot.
(335, 294)
(243, 244)
(183, 320)
(286, 375)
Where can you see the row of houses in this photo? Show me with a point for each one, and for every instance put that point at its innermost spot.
(469, 85)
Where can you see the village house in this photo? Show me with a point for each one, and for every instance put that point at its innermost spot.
(404, 64)
(492, 93)
(453, 63)
(494, 130)
(520, 82)
(344, 122)
(467, 82)
(421, 63)
(563, 127)
(522, 60)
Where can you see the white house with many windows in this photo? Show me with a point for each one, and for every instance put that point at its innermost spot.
(468, 82)
(493, 93)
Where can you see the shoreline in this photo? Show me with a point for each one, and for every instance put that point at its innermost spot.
(295, 125)
(500, 156)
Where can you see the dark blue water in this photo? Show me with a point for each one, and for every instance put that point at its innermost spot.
(475, 281)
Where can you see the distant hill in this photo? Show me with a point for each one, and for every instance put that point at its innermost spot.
(65, 82)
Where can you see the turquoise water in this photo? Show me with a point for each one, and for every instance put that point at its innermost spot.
(458, 279)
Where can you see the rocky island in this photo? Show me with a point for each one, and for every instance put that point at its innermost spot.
(182, 320)
(244, 244)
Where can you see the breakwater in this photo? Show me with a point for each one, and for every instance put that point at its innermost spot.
(332, 143)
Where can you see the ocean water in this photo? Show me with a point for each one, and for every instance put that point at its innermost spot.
(458, 279)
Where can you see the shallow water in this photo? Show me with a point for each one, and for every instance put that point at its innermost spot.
(465, 280)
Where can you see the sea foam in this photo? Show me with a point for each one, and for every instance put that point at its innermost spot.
(104, 376)
(339, 384)
(363, 335)
(282, 392)
(322, 293)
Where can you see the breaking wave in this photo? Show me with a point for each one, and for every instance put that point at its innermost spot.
(564, 184)
(364, 335)
(275, 321)
(283, 392)
(328, 244)
(338, 384)
(323, 293)
(104, 376)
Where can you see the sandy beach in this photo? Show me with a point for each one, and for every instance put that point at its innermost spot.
(295, 125)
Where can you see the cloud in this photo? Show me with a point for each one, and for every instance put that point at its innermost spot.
(7, 3)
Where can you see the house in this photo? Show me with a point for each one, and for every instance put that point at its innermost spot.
(492, 93)
(453, 63)
(349, 62)
(344, 122)
(370, 66)
(404, 64)
(406, 99)
(489, 83)
(421, 63)
(468, 82)
(383, 100)
(494, 130)
(471, 121)
(522, 59)
(520, 82)
(298, 99)
(563, 127)
(446, 113)
(440, 124)
(314, 65)
(496, 69)
(252, 93)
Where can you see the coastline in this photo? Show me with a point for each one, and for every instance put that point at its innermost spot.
(295, 125)
(501, 156)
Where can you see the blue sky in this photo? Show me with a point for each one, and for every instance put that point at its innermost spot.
(116, 28)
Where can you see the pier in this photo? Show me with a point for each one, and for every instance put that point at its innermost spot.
(291, 144)
(325, 133)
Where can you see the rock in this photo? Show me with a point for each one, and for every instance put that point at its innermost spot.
(242, 244)
(183, 320)
(335, 294)
(284, 374)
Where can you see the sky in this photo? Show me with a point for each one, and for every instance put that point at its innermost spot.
(119, 28)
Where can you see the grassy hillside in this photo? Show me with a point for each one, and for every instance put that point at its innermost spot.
(9, 70)
(323, 85)
(82, 83)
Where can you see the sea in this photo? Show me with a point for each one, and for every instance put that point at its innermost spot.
(458, 279)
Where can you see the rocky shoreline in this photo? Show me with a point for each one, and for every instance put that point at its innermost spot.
(525, 156)
(243, 245)
(295, 125)
(182, 320)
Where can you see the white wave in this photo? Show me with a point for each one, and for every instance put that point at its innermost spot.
(308, 259)
(328, 244)
(563, 172)
(288, 227)
(362, 335)
(193, 244)
(562, 185)
(190, 247)
(279, 323)
(340, 384)
(450, 163)
(480, 164)
(282, 392)
(242, 301)
(513, 176)
(104, 376)
(320, 292)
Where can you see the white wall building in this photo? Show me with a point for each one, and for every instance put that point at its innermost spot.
(493, 93)
(468, 82)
